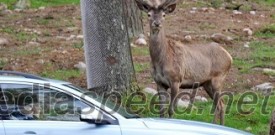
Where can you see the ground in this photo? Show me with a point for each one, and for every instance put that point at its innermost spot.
(48, 42)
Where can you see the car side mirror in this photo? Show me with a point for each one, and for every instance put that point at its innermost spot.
(93, 116)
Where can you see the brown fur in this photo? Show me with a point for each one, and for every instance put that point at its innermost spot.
(176, 65)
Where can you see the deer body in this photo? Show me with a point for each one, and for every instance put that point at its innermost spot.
(176, 65)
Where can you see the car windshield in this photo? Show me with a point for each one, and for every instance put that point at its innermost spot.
(119, 109)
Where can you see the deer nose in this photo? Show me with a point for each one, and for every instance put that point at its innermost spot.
(157, 23)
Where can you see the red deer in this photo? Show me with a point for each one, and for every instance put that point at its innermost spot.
(176, 65)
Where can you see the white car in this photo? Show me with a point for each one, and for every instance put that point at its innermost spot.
(36, 105)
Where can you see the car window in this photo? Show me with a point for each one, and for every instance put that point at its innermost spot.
(33, 102)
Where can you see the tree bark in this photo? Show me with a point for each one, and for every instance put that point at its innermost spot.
(107, 47)
(134, 18)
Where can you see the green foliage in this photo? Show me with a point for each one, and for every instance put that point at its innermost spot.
(40, 3)
(140, 51)
(78, 45)
(271, 73)
(61, 74)
(19, 35)
(216, 3)
(239, 115)
(141, 67)
(28, 51)
(2, 64)
(261, 55)
(267, 32)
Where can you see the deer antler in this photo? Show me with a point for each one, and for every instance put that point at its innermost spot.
(168, 2)
(144, 2)
(144, 5)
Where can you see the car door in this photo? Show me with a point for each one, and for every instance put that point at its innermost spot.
(2, 112)
(48, 111)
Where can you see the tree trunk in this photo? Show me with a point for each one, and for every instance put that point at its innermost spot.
(107, 47)
(134, 18)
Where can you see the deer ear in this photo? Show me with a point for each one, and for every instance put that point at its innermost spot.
(142, 5)
(170, 8)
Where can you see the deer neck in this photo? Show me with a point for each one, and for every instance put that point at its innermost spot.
(157, 47)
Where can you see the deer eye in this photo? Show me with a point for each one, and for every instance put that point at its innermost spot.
(164, 15)
(149, 15)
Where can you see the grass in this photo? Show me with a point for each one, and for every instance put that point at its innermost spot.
(267, 2)
(2, 64)
(61, 74)
(270, 73)
(267, 32)
(19, 35)
(239, 115)
(140, 51)
(261, 55)
(40, 3)
(141, 67)
(28, 51)
(42, 21)
(78, 45)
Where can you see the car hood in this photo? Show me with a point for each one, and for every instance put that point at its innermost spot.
(196, 128)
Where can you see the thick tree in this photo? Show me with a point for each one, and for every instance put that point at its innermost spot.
(107, 47)
(134, 18)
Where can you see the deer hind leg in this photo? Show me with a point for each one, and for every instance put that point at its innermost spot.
(163, 96)
(173, 98)
(213, 89)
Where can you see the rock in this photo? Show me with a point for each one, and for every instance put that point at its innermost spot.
(269, 72)
(34, 43)
(150, 91)
(236, 12)
(194, 8)
(183, 103)
(71, 37)
(4, 9)
(133, 45)
(141, 40)
(23, 4)
(3, 41)
(204, 9)
(79, 36)
(248, 31)
(247, 99)
(211, 9)
(3, 6)
(222, 39)
(252, 12)
(71, 29)
(41, 61)
(248, 129)
(81, 66)
(246, 44)
(42, 8)
(201, 99)
(192, 11)
(265, 88)
(188, 38)
(18, 10)
(61, 37)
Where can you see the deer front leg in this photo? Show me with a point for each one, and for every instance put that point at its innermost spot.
(174, 101)
(162, 92)
(219, 109)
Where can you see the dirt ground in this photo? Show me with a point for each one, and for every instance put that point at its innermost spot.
(41, 41)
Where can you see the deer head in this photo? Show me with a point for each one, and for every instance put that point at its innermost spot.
(156, 10)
